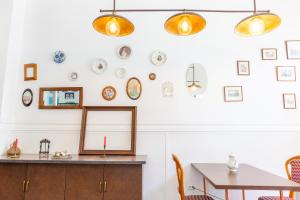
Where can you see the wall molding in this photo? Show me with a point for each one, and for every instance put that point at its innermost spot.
(74, 128)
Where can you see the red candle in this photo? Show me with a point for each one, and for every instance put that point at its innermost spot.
(105, 141)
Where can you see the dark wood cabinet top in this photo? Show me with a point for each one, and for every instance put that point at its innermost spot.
(247, 177)
(34, 158)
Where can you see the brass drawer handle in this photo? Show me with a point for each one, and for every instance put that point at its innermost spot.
(105, 186)
(24, 183)
(27, 186)
(100, 187)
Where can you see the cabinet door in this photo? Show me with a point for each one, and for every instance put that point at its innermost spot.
(47, 182)
(123, 182)
(84, 182)
(11, 181)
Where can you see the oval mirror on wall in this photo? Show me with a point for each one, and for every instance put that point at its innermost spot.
(196, 80)
(134, 88)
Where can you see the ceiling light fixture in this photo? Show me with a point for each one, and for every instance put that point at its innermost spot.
(188, 22)
(258, 23)
(113, 25)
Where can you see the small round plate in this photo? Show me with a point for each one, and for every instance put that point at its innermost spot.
(73, 76)
(152, 76)
(124, 52)
(99, 66)
(120, 73)
(158, 58)
(59, 57)
(27, 97)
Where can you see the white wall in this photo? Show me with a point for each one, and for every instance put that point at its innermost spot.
(258, 130)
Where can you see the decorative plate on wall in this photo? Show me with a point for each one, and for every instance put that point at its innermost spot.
(124, 52)
(59, 57)
(73, 76)
(109, 93)
(134, 88)
(152, 76)
(27, 97)
(120, 73)
(158, 58)
(99, 66)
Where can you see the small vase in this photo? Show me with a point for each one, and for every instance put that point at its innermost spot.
(232, 164)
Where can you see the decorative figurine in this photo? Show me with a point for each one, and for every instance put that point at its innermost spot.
(14, 151)
(44, 148)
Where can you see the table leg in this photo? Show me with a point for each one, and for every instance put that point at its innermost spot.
(204, 185)
(281, 195)
(226, 194)
(243, 193)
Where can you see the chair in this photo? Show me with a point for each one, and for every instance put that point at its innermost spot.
(180, 177)
(292, 168)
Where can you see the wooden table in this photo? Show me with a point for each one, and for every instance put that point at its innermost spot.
(247, 178)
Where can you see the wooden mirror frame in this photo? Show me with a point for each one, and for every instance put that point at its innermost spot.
(41, 97)
(86, 109)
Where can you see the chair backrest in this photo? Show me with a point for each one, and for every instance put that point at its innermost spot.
(292, 168)
(180, 177)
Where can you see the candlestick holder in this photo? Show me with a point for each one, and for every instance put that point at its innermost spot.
(104, 151)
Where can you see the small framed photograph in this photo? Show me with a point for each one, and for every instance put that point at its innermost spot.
(269, 54)
(292, 49)
(286, 73)
(30, 72)
(289, 101)
(243, 68)
(233, 93)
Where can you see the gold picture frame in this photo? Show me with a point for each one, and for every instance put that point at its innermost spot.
(30, 72)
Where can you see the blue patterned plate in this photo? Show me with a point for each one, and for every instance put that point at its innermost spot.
(59, 57)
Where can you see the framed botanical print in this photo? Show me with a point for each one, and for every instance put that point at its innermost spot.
(286, 73)
(30, 72)
(269, 54)
(233, 94)
(292, 49)
(243, 68)
(289, 101)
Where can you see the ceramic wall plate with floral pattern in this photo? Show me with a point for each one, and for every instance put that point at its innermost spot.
(99, 66)
(158, 58)
(134, 88)
(59, 57)
(109, 93)
(124, 52)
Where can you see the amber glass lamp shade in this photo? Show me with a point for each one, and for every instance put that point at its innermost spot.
(185, 24)
(113, 25)
(257, 24)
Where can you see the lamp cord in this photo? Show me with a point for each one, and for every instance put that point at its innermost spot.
(194, 188)
(114, 10)
(254, 4)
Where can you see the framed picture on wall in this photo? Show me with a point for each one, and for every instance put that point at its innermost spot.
(286, 73)
(292, 49)
(289, 101)
(243, 68)
(30, 72)
(269, 54)
(233, 94)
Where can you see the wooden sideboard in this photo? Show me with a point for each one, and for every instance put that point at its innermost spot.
(79, 178)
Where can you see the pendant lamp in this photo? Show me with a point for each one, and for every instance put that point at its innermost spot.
(113, 25)
(184, 24)
(257, 24)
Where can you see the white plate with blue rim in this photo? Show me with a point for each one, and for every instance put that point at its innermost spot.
(59, 57)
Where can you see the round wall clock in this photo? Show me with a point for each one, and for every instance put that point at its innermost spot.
(99, 66)
(158, 58)
(152, 76)
(124, 52)
(27, 97)
(59, 57)
(109, 93)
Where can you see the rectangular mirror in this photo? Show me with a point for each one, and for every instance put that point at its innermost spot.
(61, 98)
(108, 130)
